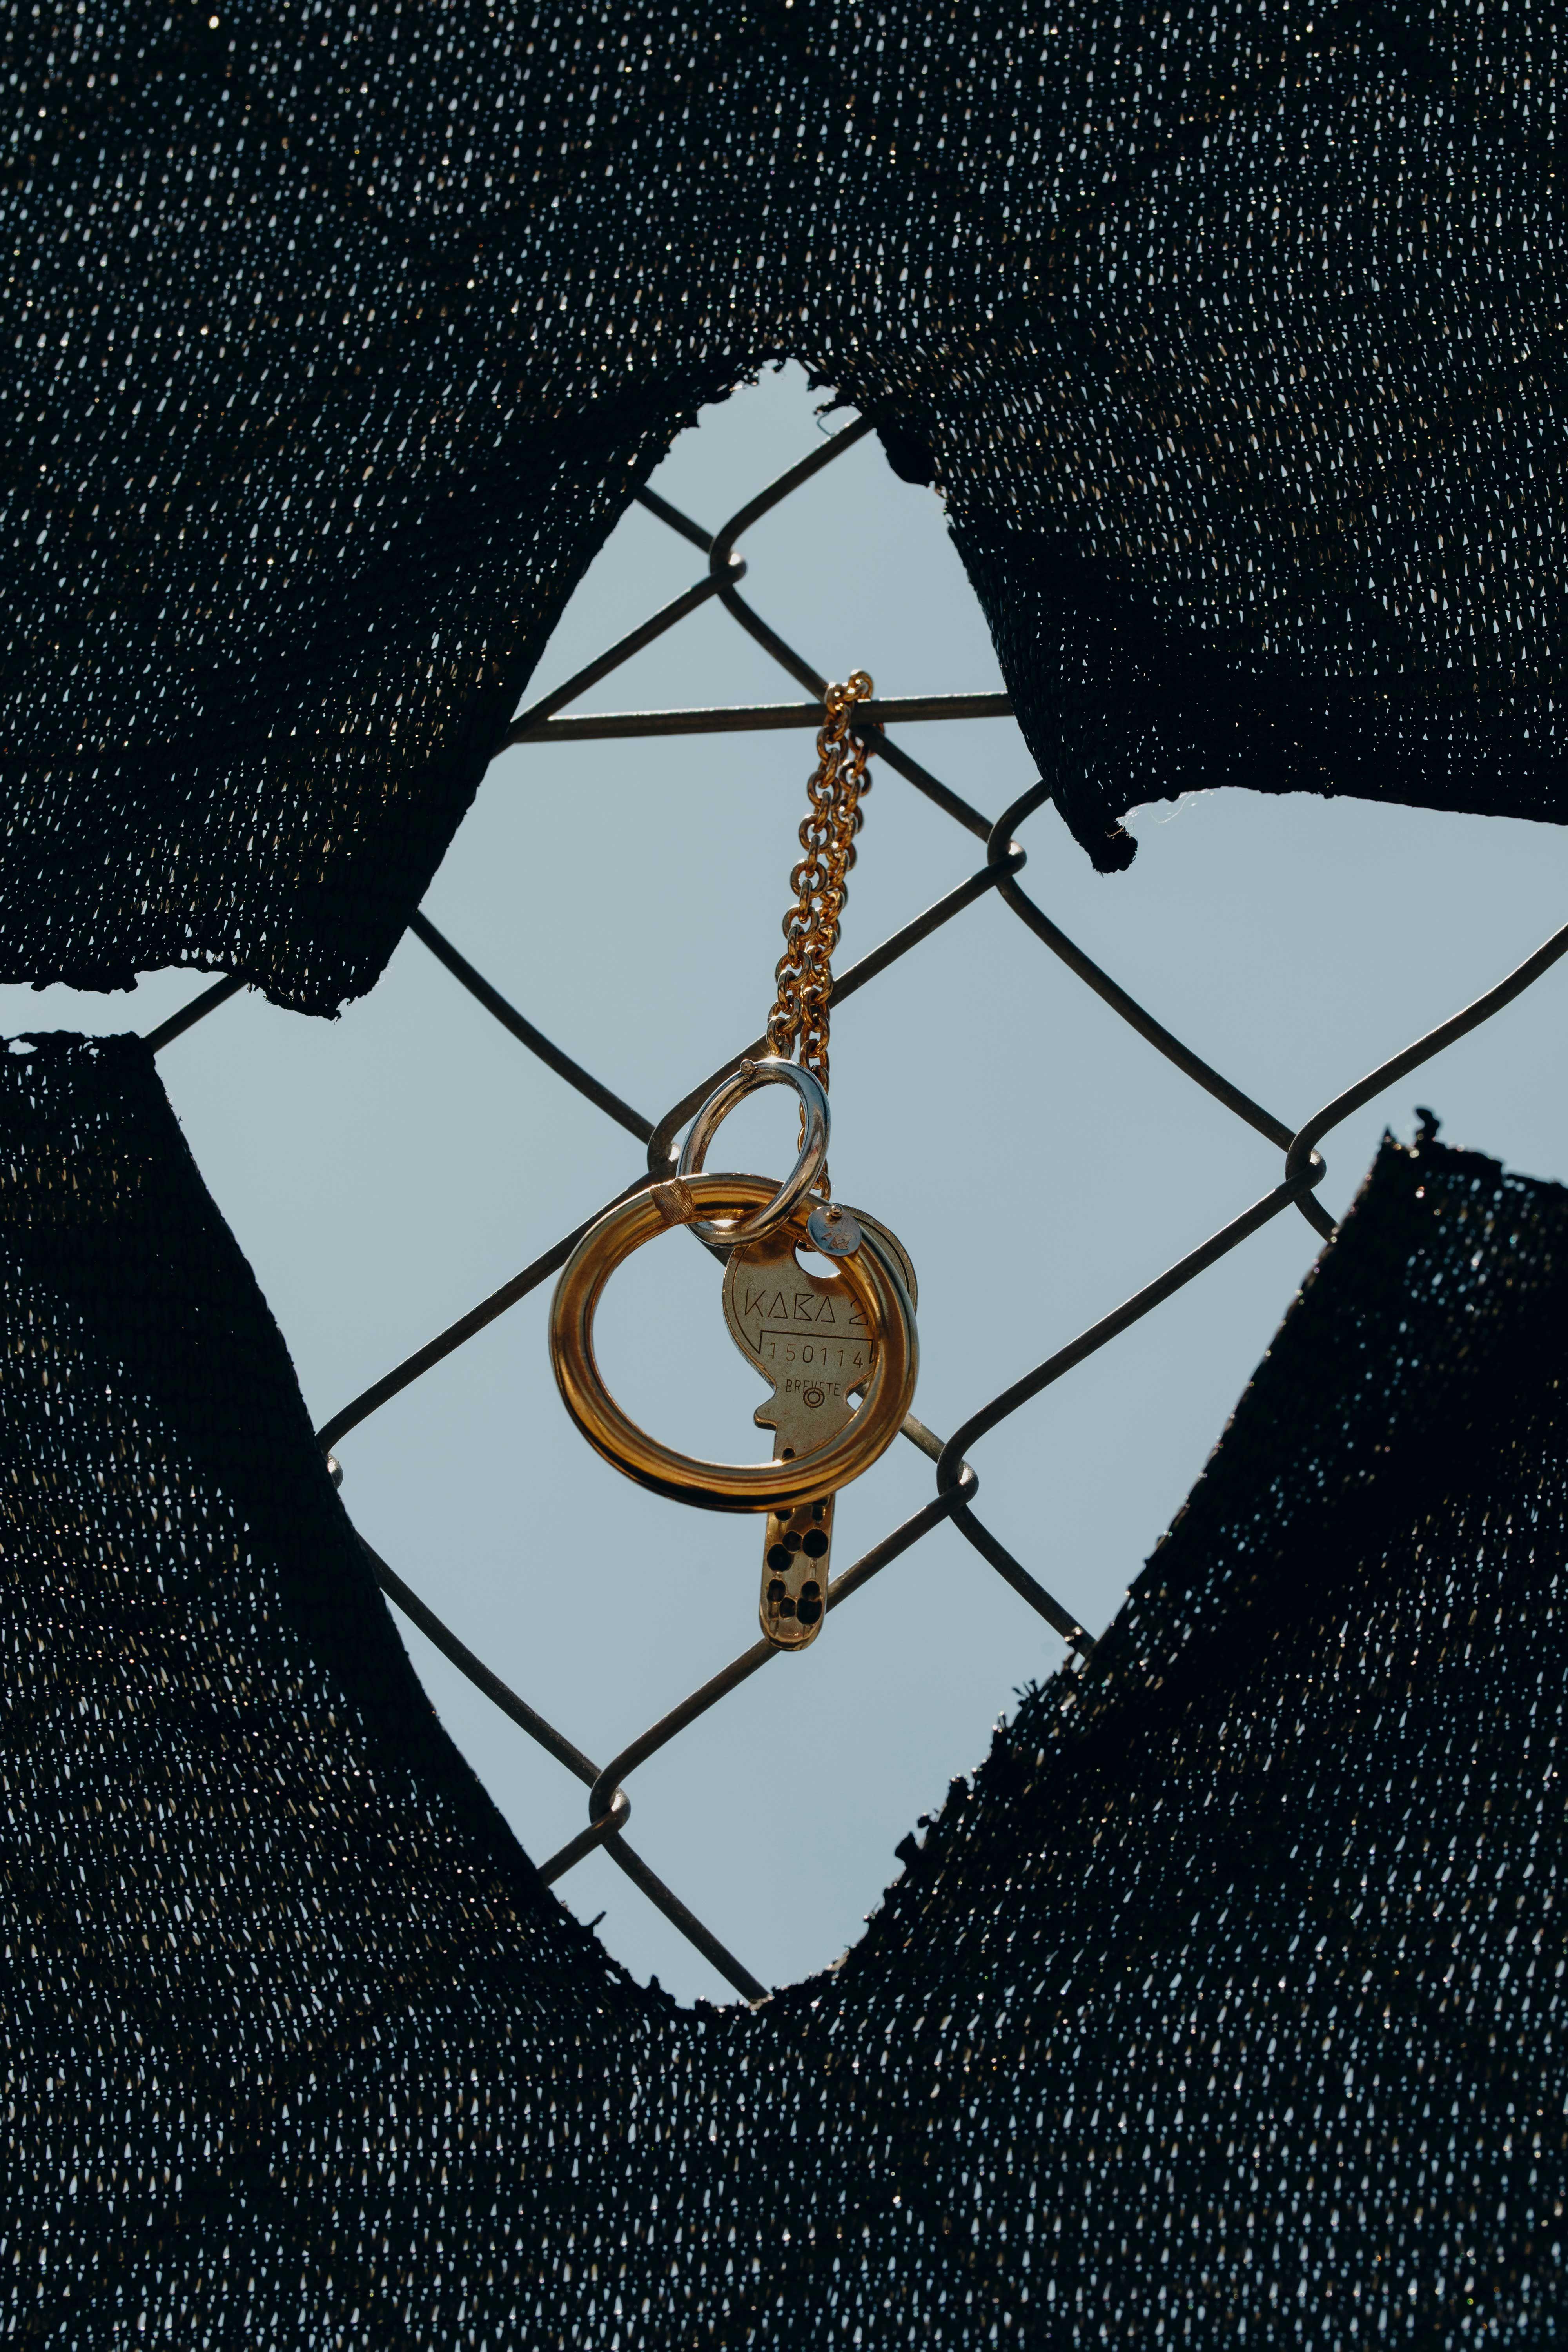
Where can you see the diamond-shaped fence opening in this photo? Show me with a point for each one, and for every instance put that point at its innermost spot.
(994, 876)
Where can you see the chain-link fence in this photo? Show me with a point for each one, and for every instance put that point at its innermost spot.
(955, 1481)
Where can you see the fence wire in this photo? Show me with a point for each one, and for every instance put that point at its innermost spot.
(548, 720)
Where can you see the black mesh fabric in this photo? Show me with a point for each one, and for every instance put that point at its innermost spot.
(1223, 2005)
(340, 340)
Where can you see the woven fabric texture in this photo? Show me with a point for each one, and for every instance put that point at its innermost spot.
(1223, 2002)
(339, 342)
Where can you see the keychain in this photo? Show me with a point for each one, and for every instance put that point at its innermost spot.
(821, 1340)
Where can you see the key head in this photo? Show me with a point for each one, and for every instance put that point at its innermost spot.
(803, 1332)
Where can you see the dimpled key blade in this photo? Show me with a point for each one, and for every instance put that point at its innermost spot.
(806, 1336)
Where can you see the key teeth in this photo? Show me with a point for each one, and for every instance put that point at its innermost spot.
(795, 1575)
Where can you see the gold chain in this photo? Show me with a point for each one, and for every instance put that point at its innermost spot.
(804, 972)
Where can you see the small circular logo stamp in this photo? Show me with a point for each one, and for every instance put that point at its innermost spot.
(812, 1396)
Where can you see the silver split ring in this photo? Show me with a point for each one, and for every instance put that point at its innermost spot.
(771, 1072)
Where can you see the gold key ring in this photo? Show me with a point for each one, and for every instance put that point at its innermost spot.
(872, 1280)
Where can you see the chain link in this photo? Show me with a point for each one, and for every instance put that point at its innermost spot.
(799, 1020)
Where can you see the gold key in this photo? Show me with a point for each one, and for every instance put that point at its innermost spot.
(838, 1349)
(806, 1336)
